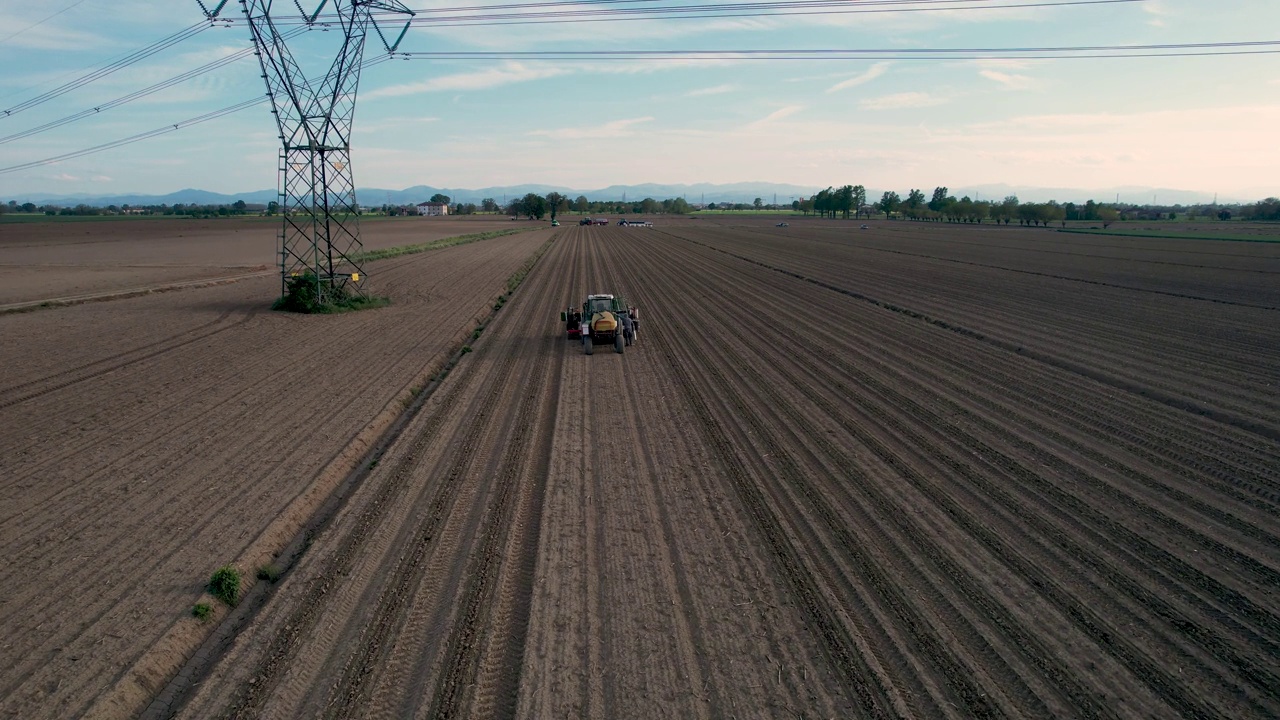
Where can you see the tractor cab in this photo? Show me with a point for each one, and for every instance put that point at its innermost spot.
(603, 319)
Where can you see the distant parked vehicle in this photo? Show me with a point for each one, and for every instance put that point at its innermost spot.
(782, 224)
(634, 223)
(865, 227)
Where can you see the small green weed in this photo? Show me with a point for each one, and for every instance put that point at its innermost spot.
(202, 611)
(225, 585)
(466, 349)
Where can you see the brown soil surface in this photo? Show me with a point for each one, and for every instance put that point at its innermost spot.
(794, 498)
(146, 441)
(52, 260)
(916, 471)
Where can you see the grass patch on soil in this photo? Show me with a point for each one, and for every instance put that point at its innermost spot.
(1170, 235)
(202, 611)
(301, 296)
(269, 572)
(370, 255)
(225, 585)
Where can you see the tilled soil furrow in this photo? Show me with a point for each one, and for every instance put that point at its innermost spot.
(842, 649)
(927, 639)
(793, 339)
(1105, 340)
(1143, 387)
(1145, 599)
(342, 554)
(69, 376)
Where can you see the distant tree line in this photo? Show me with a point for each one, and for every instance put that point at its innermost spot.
(851, 201)
(238, 207)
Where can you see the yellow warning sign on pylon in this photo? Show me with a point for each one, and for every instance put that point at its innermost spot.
(355, 277)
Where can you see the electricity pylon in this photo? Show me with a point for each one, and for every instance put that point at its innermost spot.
(320, 236)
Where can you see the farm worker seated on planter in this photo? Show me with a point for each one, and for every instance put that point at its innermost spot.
(634, 315)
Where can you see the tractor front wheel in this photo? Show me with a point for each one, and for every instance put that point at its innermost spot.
(586, 345)
(617, 343)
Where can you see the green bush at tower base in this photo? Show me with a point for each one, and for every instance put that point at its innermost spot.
(301, 296)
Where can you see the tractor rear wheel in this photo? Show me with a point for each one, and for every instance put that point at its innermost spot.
(617, 343)
(586, 344)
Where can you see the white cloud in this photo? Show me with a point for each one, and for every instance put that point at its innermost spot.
(717, 90)
(393, 123)
(1004, 63)
(615, 129)
(100, 178)
(46, 36)
(899, 101)
(64, 177)
(1013, 82)
(508, 74)
(1157, 9)
(776, 115)
(872, 73)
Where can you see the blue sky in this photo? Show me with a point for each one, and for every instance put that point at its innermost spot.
(1193, 123)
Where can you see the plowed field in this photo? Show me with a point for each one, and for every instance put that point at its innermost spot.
(915, 471)
(72, 261)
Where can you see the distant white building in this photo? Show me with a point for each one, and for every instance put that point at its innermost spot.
(433, 208)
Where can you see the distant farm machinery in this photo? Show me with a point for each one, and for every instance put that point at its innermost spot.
(603, 320)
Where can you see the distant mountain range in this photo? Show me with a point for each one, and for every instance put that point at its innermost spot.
(744, 192)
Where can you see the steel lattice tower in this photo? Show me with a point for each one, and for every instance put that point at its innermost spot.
(320, 236)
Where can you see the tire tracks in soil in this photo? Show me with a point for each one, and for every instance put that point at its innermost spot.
(1227, 418)
(1077, 509)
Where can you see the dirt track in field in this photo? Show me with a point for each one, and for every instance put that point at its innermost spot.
(147, 441)
(915, 471)
(824, 502)
(44, 261)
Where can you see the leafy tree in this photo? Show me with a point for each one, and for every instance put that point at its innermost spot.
(939, 200)
(556, 201)
(825, 202)
(1006, 210)
(239, 206)
(533, 205)
(843, 201)
(581, 204)
(758, 203)
(914, 203)
(273, 207)
(439, 198)
(889, 202)
(860, 201)
(1268, 209)
(489, 205)
(1108, 214)
(28, 207)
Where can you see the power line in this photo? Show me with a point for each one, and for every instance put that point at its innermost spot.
(112, 67)
(748, 9)
(41, 22)
(139, 137)
(773, 8)
(173, 127)
(175, 80)
(1260, 47)
(937, 54)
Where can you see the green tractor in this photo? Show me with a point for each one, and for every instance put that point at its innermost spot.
(603, 320)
